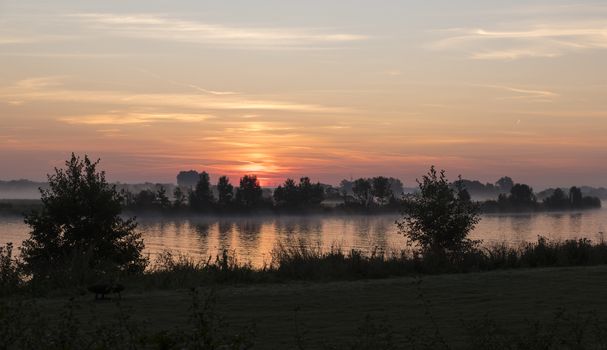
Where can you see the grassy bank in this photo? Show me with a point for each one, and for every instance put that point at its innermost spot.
(517, 307)
(539, 295)
(299, 262)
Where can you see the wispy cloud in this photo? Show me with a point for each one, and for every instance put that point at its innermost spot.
(51, 89)
(149, 26)
(118, 118)
(523, 40)
(524, 93)
(31, 38)
(37, 83)
(187, 85)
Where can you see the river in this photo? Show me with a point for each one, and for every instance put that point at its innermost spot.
(253, 238)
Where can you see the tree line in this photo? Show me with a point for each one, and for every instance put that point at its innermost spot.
(195, 192)
(521, 198)
(203, 197)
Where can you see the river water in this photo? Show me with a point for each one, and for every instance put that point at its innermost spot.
(253, 238)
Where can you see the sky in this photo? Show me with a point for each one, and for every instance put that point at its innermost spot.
(329, 90)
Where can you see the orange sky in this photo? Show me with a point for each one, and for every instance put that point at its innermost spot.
(278, 89)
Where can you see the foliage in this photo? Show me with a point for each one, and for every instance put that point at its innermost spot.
(437, 219)
(249, 193)
(302, 195)
(521, 195)
(179, 198)
(162, 200)
(202, 199)
(79, 227)
(362, 189)
(381, 189)
(145, 199)
(226, 192)
(10, 274)
(558, 200)
(522, 199)
(505, 184)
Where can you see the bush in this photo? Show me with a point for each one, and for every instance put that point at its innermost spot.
(438, 218)
(78, 234)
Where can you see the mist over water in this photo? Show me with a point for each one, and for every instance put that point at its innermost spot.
(252, 238)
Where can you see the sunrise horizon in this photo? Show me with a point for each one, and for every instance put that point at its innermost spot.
(481, 89)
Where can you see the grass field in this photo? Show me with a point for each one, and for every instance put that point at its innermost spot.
(331, 312)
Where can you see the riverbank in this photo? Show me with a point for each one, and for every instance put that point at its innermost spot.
(313, 315)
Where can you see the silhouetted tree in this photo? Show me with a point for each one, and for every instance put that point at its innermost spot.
(287, 195)
(188, 179)
(505, 184)
(397, 187)
(362, 191)
(439, 218)
(557, 201)
(575, 197)
(128, 198)
(80, 226)
(226, 191)
(522, 195)
(249, 193)
(145, 199)
(302, 195)
(477, 188)
(310, 194)
(162, 200)
(463, 194)
(381, 190)
(590, 202)
(179, 198)
(201, 198)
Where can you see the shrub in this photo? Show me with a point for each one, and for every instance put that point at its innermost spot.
(79, 233)
(438, 218)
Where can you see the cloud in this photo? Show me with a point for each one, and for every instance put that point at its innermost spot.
(118, 118)
(524, 93)
(155, 27)
(524, 41)
(52, 89)
(39, 82)
(212, 92)
(30, 39)
(188, 85)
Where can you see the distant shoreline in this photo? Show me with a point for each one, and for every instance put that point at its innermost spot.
(20, 206)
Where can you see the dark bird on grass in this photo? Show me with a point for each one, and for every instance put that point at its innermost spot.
(100, 290)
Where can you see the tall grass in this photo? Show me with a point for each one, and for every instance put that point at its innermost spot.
(302, 262)
(177, 270)
(10, 273)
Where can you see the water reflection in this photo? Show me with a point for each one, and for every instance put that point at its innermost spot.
(253, 238)
(225, 229)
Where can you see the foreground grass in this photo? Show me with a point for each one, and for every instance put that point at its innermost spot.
(312, 315)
